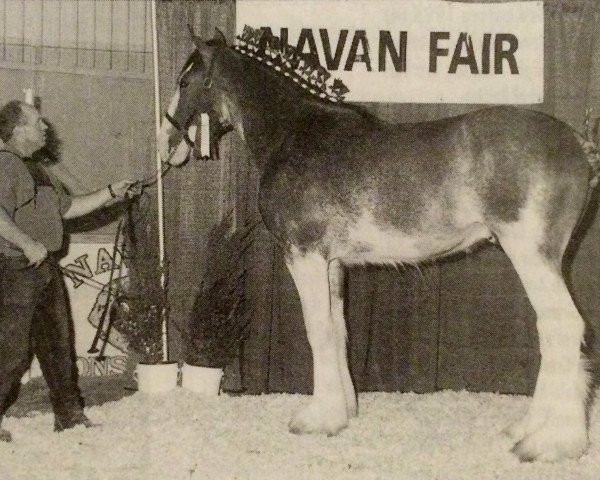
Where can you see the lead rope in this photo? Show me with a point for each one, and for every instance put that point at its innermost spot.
(144, 183)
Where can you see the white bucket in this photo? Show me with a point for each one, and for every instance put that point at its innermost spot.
(202, 380)
(156, 377)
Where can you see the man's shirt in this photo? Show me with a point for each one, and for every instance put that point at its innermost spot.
(34, 199)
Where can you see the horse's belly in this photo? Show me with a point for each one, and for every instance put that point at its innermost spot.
(367, 242)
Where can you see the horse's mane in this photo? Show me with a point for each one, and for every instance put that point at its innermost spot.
(303, 96)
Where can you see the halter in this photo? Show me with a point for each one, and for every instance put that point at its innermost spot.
(208, 80)
(181, 129)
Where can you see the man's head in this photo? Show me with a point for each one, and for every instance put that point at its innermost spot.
(22, 128)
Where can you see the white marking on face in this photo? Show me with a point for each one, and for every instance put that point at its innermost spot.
(164, 134)
(189, 67)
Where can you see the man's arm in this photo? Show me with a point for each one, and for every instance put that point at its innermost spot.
(84, 204)
(32, 249)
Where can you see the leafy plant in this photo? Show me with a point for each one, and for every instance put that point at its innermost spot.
(141, 324)
(137, 311)
(220, 318)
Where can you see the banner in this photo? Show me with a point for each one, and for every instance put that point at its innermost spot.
(415, 51)
(87, 271)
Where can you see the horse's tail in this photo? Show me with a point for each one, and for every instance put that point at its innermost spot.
(589, 143)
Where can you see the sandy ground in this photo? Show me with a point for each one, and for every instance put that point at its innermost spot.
(180, 435)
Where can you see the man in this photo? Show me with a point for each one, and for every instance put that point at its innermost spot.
(34, 316)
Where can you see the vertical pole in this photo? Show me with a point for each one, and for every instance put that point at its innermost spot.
(160, 193)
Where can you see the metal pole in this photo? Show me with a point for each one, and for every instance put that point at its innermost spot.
(159, 187)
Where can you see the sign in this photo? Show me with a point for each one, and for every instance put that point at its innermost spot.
(86, 269)
(415, 51)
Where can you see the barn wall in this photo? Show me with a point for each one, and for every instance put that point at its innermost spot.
(465, 323)
(105, 125)
(88, 64)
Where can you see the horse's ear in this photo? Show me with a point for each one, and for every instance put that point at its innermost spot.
(219, 37)
(195, 38)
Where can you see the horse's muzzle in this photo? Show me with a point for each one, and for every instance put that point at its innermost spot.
(171, 146)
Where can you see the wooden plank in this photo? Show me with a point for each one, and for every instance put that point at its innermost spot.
(14, 33)
(256, 363)
(488, 339)
(392, 323)
(51, 23)
(68, 34)
(3, 34)
(32, 23)
(85, 28)
(103, 35)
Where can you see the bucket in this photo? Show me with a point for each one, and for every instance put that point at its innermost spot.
(202, 380)
(156, 377)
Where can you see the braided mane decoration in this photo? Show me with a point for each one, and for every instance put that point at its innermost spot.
(310, 75)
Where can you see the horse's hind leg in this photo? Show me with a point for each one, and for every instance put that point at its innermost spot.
(327, 410)
(554, 428)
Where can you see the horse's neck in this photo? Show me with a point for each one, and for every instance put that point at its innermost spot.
(265, 126)
(267, 112)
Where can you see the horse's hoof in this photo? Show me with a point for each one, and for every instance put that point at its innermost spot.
(318, 419)
(5, 435)
(352, 409)
(551, 445)
(516, 431)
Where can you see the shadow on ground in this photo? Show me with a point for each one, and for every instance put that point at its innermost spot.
(95, 391)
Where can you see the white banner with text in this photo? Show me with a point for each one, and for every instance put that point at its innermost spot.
(415, 51)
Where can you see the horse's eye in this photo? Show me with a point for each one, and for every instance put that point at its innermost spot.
(184, 83)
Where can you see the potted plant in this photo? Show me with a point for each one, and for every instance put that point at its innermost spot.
(141, 324)
(138, 310)
(220, 319)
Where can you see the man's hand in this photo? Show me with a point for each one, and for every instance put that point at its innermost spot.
(125, 189)
(35, 252)
(115, 192)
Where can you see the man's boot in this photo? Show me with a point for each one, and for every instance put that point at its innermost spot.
(5, 435)
(64, 421)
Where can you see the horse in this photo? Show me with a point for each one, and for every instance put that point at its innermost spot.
(340, 187)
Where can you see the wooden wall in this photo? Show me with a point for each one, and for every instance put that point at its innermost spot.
(104, 123)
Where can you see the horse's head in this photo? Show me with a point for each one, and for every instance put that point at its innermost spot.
(180, 131)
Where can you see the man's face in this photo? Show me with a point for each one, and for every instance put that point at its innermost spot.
(32, 133)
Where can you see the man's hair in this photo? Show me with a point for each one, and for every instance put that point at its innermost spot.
(11, 115)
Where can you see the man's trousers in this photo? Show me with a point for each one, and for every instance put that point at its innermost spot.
(35, 319)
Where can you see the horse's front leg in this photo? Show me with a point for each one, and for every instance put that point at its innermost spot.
(336, 295)
(327, 410)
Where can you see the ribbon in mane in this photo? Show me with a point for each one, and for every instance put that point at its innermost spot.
(268, 49)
